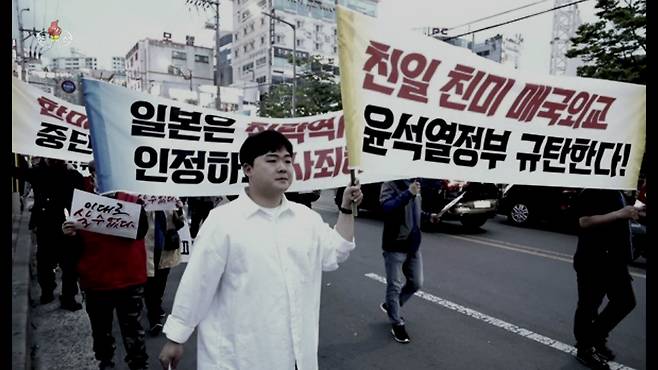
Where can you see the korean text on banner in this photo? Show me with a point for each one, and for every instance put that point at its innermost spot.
(150, 145)
(46, 126)
(421, 107)
(105, 215)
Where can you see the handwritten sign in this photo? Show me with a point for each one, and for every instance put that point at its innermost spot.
(105, 215)
(158, 202)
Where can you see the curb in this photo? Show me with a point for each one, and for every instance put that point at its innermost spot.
(20, 289)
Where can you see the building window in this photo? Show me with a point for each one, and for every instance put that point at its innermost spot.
(235, 36)
(201, 59)
(244, 48)
(262, 21)
(248, 67)
(176, 55)
(278, 39)
(236, 53)
(300, 43)
(300, 24)
(318, 28)
(262, 40)
(261, 61)
(261, 79)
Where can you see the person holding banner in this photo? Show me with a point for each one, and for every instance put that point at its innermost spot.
(252, 285)
(401, 202)
(601, 264)
(53, 184)
(112, 276)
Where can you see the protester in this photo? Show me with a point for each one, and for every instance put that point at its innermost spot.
(199, 207)
(53, 183)
(601, 264)
(159, 261)
(112, 276)
(401, 203)
(252, 285)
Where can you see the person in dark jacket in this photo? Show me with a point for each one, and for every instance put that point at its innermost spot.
(53, 184)
(601, 264)
(401, 203)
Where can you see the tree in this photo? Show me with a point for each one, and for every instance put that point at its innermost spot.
(317, 92)
(614, 47)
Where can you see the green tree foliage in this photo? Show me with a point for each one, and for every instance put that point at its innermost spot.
(614, 47)
(317, 92)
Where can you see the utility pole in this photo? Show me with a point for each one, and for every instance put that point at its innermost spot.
(20, 51)
(205, 4)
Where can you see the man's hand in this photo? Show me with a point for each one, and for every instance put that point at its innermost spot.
(352, 194)
(69, 227)
(628, 212)
(170, 355)
(414, 187)
(434, 218)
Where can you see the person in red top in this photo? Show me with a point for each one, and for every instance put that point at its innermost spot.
(112, 274)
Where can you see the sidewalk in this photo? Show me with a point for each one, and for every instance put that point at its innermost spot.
(44, 336)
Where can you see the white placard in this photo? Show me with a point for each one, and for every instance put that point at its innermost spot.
(105, 215)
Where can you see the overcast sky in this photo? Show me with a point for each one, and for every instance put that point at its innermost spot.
(110, 28)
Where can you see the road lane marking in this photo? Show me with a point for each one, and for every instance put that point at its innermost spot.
(527, 250)
(499, 323)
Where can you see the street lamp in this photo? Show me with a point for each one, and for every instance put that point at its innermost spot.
(294, 55)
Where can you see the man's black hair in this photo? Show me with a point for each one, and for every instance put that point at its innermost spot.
(263, 143)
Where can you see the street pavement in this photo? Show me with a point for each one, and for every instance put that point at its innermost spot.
(501, 297)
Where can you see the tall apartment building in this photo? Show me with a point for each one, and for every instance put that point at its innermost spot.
(261, 45)
(168, 65)
(77, 61)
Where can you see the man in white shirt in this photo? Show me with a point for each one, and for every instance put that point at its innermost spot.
(252, 285)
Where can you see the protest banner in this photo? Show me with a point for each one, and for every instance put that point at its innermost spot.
(186, 244)
(46, 126)
(422, 107)
(105, 215)
(147, 144)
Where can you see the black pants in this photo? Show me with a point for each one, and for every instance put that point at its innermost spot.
(198, 213)
(591, 326)
(53, 249)
(128, 303)
(155, 288)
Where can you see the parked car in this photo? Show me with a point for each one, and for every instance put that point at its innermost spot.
(476, 206)
(529, 204)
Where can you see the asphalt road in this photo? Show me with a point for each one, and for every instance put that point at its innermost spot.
(501, 297)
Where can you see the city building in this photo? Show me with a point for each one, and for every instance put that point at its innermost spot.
(225, 53)
(119, 65)
(500, 49)
(164, 64)
(76, 62)
(262, 46)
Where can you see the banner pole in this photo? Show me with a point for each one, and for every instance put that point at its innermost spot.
(355, 208)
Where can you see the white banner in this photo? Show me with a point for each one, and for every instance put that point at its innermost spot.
(159, 203)
(424, 108)
(46, 126)
(186, 244)
(147, 144)
(105, 215)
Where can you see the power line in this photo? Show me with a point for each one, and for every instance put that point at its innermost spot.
(497, 14)
(515, 20)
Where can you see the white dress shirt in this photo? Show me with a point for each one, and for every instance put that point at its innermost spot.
(252, 286)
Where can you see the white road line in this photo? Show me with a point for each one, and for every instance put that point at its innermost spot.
(499, 323)
(527, 250)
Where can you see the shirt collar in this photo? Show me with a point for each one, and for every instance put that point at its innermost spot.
(249, 208)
